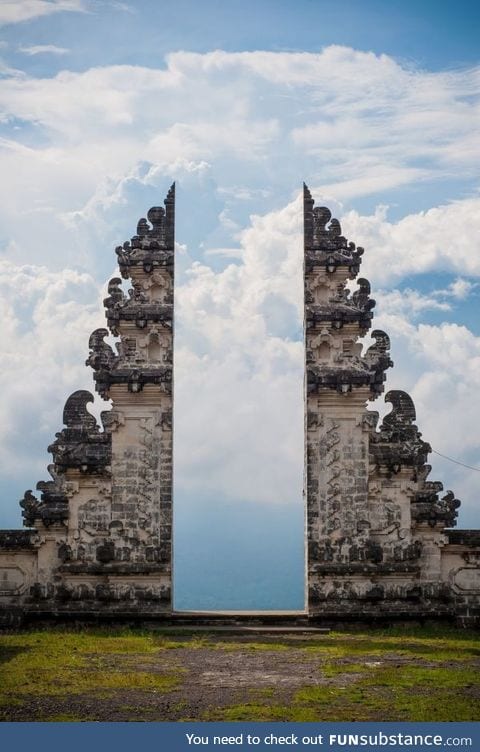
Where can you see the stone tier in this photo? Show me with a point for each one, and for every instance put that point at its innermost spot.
(135, 378)
(13, 540)
(343, 380)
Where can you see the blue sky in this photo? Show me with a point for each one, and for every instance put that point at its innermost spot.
(433, 35)
(374, 104)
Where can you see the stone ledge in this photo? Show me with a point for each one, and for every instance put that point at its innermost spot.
(121, 568)
(464, 537)
(356, 568)
(13, 540)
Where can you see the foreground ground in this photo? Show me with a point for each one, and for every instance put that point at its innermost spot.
(118, 675)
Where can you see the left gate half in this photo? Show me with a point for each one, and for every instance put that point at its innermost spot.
(100, 531)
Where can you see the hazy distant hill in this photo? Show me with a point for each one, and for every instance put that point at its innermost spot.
(238, 556)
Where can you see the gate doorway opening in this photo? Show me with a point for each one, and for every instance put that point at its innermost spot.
(239, 519)
(232, 556)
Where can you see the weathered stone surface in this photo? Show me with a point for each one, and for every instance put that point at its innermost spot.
(12, 540)
(469, 538)
(102, 538)
(379, 543)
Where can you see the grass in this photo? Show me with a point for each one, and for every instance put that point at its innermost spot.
(409, 674)
(248, 712)
(252, 646)
(59, 663)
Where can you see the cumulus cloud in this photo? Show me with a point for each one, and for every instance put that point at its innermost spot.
(239, 366)
(461, 288)
(352, 123)
(440, 367)
(46, 319)
(86, 153)
(440, 239)
(409, 303)
(239, 415)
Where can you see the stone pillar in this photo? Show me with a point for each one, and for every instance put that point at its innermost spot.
(375, 524)
(104, 521)
(338, 382)
(139, 381)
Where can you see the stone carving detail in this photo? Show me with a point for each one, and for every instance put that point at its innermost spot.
(361, 297)
(144, 319)
(399, 441)
(53, 504)
(324, 243)
(368, 370)
(377, 528)
(80, 444)
(378, 353)
(108, 507)
(101, 355)
(116, 297)
(468, 579)
(371, 513)
(398, 444)
(329, 262)
(153, 245)
(428, 507)
(12, 580)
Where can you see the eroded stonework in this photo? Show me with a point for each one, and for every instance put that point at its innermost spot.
(378, 532)
(379, 535)
(102, 526)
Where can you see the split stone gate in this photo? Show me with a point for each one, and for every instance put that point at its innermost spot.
(379, 535)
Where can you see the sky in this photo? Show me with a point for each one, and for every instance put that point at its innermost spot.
(375, 105)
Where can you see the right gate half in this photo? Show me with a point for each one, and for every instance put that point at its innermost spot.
(377, 529)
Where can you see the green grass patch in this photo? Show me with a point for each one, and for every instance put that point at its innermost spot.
(336, 669)
(253, 646)
(423, 676)
(250, 711)
(433, 681)
(63, 717)
(409, 674)
(408, 693)
(350, 703)
(61, 663)
(428, 643)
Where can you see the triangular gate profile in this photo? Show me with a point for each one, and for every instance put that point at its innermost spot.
(379, 535)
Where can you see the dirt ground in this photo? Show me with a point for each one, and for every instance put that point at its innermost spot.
(218, 677)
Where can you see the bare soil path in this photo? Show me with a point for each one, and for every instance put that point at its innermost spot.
(118, 675)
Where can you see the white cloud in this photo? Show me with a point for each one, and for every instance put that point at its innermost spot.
(239, 418)
(408, 303)
(40, 49)
(46, 320)
(440, 367)
(225, 252)
(360, 122)
(462, 288)
(122, 6)
(440, 239)
(236, 130)
(25, 10)
(239, 364)
(412, 303)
